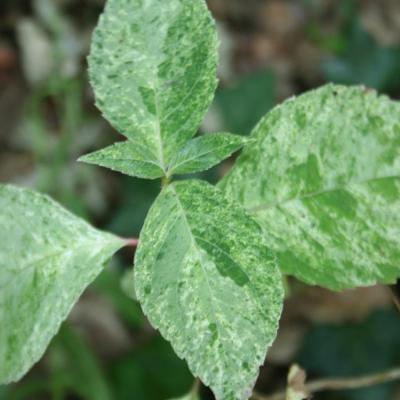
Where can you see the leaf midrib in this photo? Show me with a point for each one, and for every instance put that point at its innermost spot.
(194, 237)
(211, 296)
(160, 143)
(264, 207)
(160, 120)
(197, 156)
(32, 264)
(132, 160)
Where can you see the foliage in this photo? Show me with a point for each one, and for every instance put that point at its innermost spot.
(233, 287)
(314, 194)
(329, 211)
(150, 89)
(48, 257)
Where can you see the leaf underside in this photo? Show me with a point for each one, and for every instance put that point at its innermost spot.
(322, 179)
(206, 280)
(47, 258)
(153, 69)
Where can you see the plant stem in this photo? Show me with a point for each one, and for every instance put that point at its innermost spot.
(339, 384)
(196, 386)
(132, 242)
(165, 180)
(394, 297)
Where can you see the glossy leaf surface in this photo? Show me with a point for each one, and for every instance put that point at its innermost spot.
(47, 258)
(322, 178)
(206, 280)
(153, 69)
(204, 152)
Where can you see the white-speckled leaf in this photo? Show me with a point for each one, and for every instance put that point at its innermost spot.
(47, 258)
(322, 178)
(207, 281)
(127, 157)
(153, 68)
(204, 152)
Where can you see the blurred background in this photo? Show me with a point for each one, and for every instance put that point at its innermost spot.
(271, 50)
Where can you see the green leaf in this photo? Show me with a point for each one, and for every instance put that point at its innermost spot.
(47, 258)
(153, 68)
(206, 280)
(322, 178)
(151, 371)
(205, 152)
(242, 104)
(72, 362)
(128, 157)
